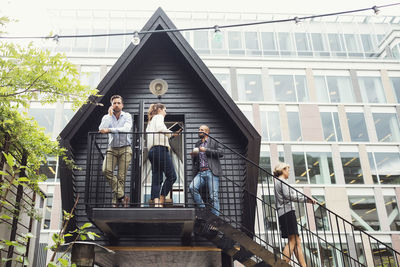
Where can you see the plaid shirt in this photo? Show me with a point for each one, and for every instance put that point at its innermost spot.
(203, 157)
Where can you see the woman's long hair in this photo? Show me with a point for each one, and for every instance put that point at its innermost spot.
(153, 110)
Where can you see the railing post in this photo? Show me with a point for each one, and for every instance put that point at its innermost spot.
(88, 169)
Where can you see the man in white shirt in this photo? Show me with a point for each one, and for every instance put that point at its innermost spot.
(117, 124)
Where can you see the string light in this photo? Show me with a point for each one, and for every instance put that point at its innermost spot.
(136, 38)
(376, 10)
(56, 38)
(217, 29)
(217, 34)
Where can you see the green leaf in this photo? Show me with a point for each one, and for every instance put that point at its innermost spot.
(63, 261)
(10, 160)
(86, 225)
(90, 235)
(51, 264)
(5, 217)
(23, 179)
(67, 235)
(83, 237)
(20, 249)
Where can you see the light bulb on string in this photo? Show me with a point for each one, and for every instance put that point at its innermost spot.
(376, 10)
(217, 34)
(136, 38)
(297, 21)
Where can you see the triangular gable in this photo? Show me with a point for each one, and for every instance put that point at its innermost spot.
(160, 20)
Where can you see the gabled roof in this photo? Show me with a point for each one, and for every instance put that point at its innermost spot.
(158, 21)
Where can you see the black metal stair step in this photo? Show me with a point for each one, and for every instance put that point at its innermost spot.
(269, 258)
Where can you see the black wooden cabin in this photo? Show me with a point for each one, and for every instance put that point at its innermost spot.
(194, 97)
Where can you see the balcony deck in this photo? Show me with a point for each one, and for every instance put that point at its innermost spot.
(144, 222)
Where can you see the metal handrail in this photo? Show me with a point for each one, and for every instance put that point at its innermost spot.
(319, 236)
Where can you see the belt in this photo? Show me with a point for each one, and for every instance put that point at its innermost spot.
(204, 169)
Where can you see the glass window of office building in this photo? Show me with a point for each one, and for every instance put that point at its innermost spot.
(289, 88)
(385, 166)
(333, 88)
(218, 44)
(235, 43)
(200, 41)
(312, 166)
(320, 214)
(49, 169)
(270, 123)
(387, 126)
(303, 44)
(286, 45)
(90, 75)
(371, 87)
(363, 212)
(265, 163)
(247, 111)
(294, 125)
(336, 44)
(116, 44)
(396, 87)
(224, 78)
(252, 44)
(351, 164)
(320, 44)
(249, 85)
(44, 115)
(357, 127)
(392, 210)
(269, 45)
(330, 124)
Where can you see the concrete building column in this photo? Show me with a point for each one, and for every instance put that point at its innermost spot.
(311, 124)
(257, 118)
(57, 120)
(311, 85)
(396, 244)
(367, 251)
(234, 87)
(337, 200)
(344, 124)
(56, 210)
(267, 88)
(381, 209)
(273, 150)
(398, 111)
(284, 122)
(369, 122)
(365, 164)
(337, 164)
(387, 87)
(289, 160)
(356, 86)
(103, 71)
(310, 210)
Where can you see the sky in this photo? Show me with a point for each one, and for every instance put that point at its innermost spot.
(32, 18)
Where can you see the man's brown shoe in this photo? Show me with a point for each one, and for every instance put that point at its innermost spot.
(125, 201)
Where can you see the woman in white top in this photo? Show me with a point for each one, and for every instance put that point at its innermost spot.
(158, 147)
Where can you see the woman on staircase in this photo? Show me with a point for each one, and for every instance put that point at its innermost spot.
(284, 196)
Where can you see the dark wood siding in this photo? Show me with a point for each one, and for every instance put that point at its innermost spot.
(186, 95)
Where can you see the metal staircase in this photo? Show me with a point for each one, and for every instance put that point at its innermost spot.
(234, 242)
(327, 238)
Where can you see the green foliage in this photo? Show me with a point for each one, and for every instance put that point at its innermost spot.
(59, 239)
(30, 73)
